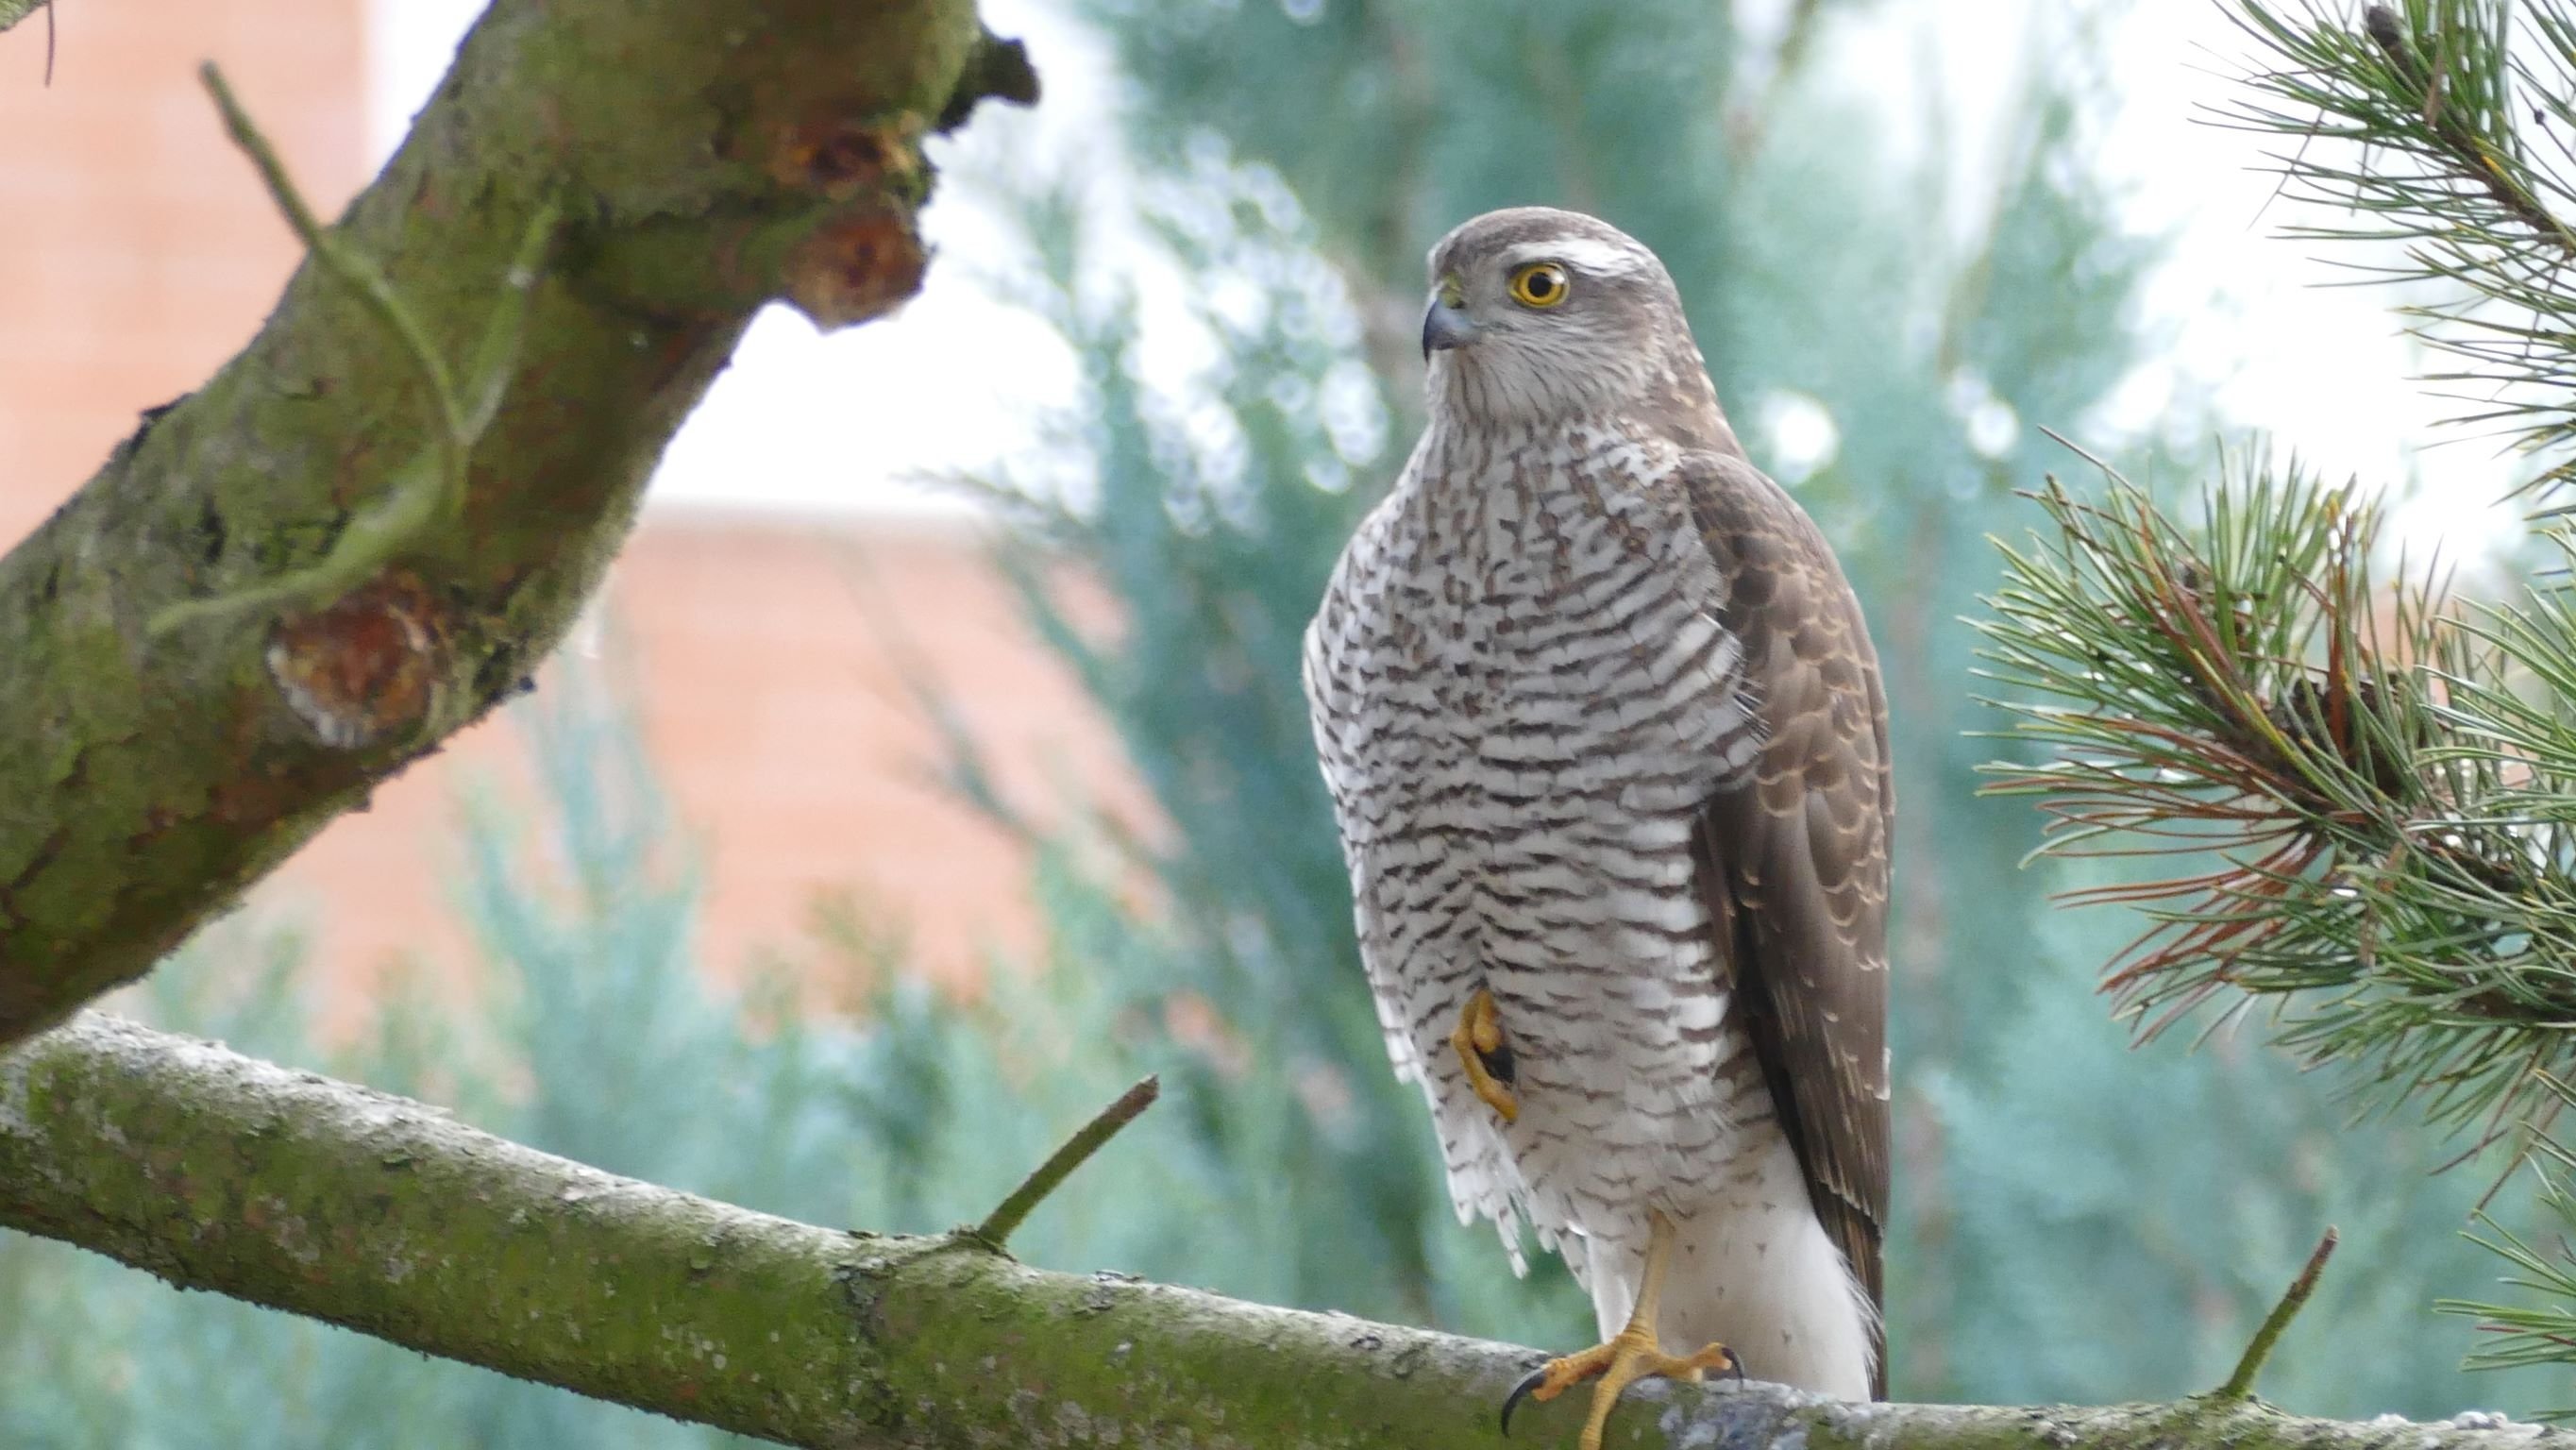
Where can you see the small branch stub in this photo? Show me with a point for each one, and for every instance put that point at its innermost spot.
(997, 1227)
(2240, 1385)
(855, 269)
(998, 70)
(365, 669)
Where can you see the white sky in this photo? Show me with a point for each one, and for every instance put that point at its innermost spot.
(956, 379)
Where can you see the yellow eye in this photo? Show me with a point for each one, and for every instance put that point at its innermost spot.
(1540, 284)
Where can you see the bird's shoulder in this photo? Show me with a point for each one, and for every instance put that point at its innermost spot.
(1751, 525)
(1784, 589)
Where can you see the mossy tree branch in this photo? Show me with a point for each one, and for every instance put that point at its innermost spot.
(223, 1173)
(706, 158)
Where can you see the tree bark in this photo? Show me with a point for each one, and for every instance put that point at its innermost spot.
(219, 1172)
(706, 158)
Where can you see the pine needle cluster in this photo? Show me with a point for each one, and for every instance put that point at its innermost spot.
(2445, 126)
(2367, 788)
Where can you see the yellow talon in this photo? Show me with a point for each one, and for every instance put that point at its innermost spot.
(1487, 1058)
(1635, 1353)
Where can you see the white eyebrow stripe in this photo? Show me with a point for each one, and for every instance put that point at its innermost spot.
(1583, 254)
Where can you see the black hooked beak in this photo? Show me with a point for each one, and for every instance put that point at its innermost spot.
(1445, 326)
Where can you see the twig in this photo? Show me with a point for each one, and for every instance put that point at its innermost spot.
(996, 1229)
(432, 482)
(366, 281)
(2240, 1385)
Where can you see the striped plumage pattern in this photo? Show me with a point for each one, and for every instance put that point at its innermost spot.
(1604, 737)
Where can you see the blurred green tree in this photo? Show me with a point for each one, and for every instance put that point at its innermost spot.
(1893, 320)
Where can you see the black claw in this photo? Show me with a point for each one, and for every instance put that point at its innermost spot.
(1512, 1401)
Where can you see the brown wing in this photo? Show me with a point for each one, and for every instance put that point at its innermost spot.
(1794, 860)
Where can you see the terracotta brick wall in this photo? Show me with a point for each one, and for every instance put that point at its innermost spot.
(768, 658)
(137, 251)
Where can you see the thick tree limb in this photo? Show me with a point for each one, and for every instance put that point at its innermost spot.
(708, 158)
(219, 1172)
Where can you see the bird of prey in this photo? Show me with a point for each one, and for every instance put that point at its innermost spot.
(1606, 743)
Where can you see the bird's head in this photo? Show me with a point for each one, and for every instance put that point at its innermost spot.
(1543, 316)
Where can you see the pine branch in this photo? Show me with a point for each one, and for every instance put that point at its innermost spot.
(2373, 789)
(218, 1172)
(2364, 797)
(2431, 125)
(2469, 153)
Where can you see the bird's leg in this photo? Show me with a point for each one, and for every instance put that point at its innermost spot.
(1487, 1057)
(1633, 1354)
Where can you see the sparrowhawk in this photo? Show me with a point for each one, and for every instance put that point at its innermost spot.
(1607, 746)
